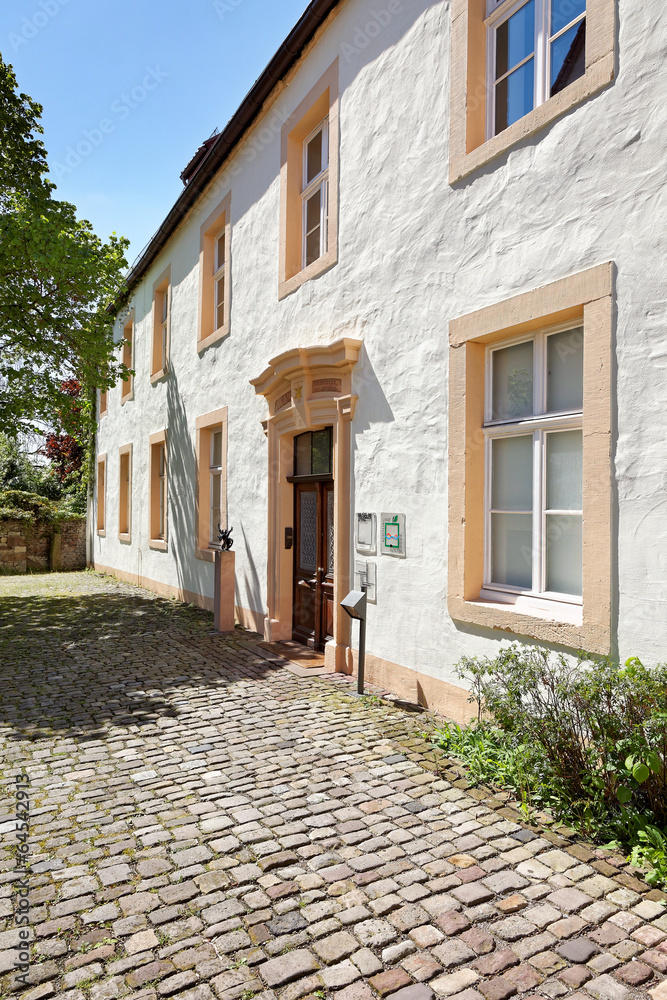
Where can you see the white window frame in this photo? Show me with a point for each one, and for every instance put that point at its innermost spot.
(540, 425)
(498, 12)
(162, 477)
(219, 272)
(308, 190)
(165, 328)
(214, 470)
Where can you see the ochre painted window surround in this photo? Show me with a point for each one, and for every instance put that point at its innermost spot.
(469, 147)
(158, 491)
(101, 494)
(585, 299)
(125, 493)
(211, 476)
(161, 326)
(320, 104)
(127, 388)
(214, 275)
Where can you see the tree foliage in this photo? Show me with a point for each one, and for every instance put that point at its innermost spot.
(57, 282)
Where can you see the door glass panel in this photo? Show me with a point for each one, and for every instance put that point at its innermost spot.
(564, 11)
(216, 451)
(565, 370)
(513, 382)
(512, 482)
(330, 532)
(568, 57)
(308, 531)
(220, 251)
(302, 460)
(564, 470)
(512, 550)
(322, 452)
(564, 554)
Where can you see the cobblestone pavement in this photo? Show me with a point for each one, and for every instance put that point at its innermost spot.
(207, 824)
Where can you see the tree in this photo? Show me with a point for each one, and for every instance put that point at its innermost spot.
(58, 281)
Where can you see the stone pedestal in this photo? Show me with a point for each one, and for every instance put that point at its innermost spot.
(223, 599)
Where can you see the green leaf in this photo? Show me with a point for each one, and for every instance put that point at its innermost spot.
(624, 794)
(654, 762)
(640, 773)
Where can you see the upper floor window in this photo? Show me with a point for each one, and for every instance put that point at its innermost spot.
(214, 275)
(127, 387)
(158, 490)
(534, 467)
(536, 49)
(161, 325)
(315, 193)
(309, 186)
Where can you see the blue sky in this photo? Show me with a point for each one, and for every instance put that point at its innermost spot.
(130, 89)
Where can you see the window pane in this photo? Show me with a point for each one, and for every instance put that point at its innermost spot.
(322, 452)
(514, 96)
(512, 550)
(216, 449)
(512, 482)
(313, 246)
(303, 449)
(513, 382)
(165, 303)
(314, 157)
(568, 58)
(564, 470)
(515, 39)
(313, 211)
(220, 303)
(565, 370)
(308, 531)
(564, 553)
(220, 252)
(564, 11)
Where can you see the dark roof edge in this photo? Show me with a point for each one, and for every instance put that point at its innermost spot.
(286, 56)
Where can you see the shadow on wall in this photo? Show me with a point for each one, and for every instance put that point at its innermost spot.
(253, 587)
(193, 575)
(74, 665)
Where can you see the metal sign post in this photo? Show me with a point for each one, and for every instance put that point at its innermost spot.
(355, 606)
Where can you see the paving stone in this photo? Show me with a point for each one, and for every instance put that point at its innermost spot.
(634, 974)
(578, 951)
(498, 988)
(366, 961)
(567, 927)
(547, 962)
(336, 947)
(607, 988)
(357, 991)
(375, 933)
(340, 975)
(452, 923)
(395, 952)
(575, 976)
(389, 982)
(604, 962)
(655, 958)
(498, 962)
(513, 928)
(407, 917)
(454, 982)
(417, 991)
(295, 964)
(607, 934)
(421, 967)
(472, 894)
(524, 978)
(480, 941)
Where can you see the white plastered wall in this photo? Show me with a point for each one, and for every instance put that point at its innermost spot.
(413, 254)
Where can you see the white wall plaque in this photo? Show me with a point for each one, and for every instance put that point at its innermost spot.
(366, 534)
(392, 535)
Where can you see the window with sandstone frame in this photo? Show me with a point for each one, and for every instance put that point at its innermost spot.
(517, 65)
(101, 494)
(550, 478)
(309, 186)
(127, 387)
(211, 454)
(215, 275)
(158, 499)
(162, 293)
(125, 493)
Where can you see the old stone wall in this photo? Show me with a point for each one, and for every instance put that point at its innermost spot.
(26, 546)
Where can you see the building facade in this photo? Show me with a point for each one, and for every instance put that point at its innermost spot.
(404, 327)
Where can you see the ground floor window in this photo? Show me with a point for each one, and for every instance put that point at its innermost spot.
(534, 465)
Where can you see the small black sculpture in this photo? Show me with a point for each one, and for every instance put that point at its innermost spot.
(225, 539)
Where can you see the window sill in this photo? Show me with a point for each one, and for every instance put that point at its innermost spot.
(125, 537)
(158, 543)
(158, 376)
(128, 397)
(207, 555)
(101, 533)
(319, 266)
(213, 338)
(103, 413)
(534, 624)
(597, 76)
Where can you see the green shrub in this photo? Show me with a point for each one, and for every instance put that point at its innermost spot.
(587, 739)
(14, 502)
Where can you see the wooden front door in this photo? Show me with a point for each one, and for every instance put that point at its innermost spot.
(313, 612)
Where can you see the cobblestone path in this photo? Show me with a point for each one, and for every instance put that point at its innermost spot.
(206, 824)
